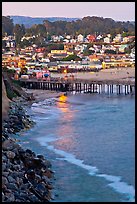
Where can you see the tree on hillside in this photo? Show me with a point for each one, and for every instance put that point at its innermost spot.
(72, 57)
(7, 25)
(19, 32)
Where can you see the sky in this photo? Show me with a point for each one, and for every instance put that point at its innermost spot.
(119, 11)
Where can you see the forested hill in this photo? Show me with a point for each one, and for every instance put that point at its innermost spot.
(84, 26)
(29, 21)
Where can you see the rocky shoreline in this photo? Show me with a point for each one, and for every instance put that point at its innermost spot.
(26, 177)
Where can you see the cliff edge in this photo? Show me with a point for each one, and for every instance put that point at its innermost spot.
(5, 102)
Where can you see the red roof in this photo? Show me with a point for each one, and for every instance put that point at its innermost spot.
(91, 37)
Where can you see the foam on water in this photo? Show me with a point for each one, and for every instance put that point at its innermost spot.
(116, 183)
(120, 186)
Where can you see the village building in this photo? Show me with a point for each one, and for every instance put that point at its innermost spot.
(80, 38)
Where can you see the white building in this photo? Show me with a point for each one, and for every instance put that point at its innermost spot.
(73, 41)
(80, 48)
(118, 38)
(106, 40)
(80, 38)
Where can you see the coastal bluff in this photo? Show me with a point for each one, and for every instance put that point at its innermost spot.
(5, 102)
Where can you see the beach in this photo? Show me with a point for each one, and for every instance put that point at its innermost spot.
(104, 74)
(40, 95)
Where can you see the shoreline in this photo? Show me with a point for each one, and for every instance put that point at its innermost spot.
(41, 95)
(17, 163)
(26, 177)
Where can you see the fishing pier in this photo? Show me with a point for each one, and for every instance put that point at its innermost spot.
(81, 85)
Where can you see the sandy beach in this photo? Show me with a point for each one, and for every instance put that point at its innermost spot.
(106, 74)
(41, 95)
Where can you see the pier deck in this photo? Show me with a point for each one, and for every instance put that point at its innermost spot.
(82, 85)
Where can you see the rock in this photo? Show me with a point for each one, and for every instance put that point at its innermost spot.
(5, 173)
(16, 162)
(10, 155)
(29, 151)
(37, 163)
(47, 173)
(12, 186)
(40, 156)
(45, 179)
(10, 197)
(19, 200)
(30, 174)
(21, 174)
(41, 188)
(38, 178)
(17, 167)
(33, 198)
(46, 163)
(8, 145)
(3, 197)
(4, 180)
(4, 167)
(19, 181)
(11, 179)
(14, 174)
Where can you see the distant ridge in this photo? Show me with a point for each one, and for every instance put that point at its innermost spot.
(29, 21)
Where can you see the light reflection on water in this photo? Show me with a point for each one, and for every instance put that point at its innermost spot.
(100, 133)
(66, 129)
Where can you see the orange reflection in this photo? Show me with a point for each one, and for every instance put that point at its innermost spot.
(62, 103)
(63, 98)
(66, 130)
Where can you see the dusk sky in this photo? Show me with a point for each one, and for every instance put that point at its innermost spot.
(122, 11)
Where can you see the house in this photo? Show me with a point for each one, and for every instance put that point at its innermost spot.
(66, 40)
(122, 48)
(106, 40)
(131, 38)
(99, 37)
(125, 39)
(73, 40)
(80, 38)
(91, 38)
(68, 47)
(117, 39)
(68, 37)
(55, 38)
(80, 48)
(94, 57)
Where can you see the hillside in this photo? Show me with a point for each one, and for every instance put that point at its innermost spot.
(29, 21)
(5, 102)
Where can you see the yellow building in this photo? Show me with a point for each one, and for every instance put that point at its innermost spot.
(58, 51)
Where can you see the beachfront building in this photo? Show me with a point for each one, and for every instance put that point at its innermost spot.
(118, 63)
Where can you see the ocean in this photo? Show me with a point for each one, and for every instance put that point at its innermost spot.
(90, 141)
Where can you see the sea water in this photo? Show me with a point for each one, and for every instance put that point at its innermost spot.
(90, 141)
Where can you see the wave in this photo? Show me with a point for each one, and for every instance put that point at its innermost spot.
(116, 183)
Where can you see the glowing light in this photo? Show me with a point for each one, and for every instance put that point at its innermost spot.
(65, 71)
(63, 98)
